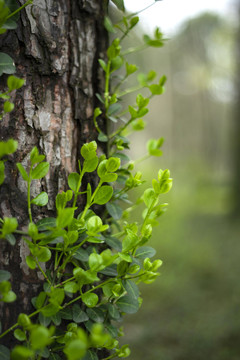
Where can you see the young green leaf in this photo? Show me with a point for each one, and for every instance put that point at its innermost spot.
(8, 106)
(103, 195)
(90, 299)
(14, 83)
(73, 181)
(40, 170)
(22, 171)
(41, 199)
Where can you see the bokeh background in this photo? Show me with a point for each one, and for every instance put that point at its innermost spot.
(192, 311)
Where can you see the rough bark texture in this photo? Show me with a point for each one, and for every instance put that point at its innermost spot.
(56, 49)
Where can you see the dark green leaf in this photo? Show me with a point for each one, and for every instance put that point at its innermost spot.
(7, 65)
(46, 223)
(110, 270)
(96, 315)
(78, 314)
(114, 210)
(90, 355)
(113, 243)
(4, 353)
(131, 288)
(109, 25)
(81, 255)
(128, 305)
(119, 4)
(144, 252)
(4, 275)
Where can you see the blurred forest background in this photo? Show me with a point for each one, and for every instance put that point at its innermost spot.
(192, 311)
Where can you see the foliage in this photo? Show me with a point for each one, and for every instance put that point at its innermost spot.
(91, 265)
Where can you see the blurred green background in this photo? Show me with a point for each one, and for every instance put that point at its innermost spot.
(192, 310)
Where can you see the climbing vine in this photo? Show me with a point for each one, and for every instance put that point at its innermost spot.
(91, 264)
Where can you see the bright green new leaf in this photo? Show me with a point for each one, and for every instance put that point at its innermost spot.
(109, 25)
(103, 195)
(73, 181)
(150, 197)
(128, 304)
(24, 321)
(64, 217)
(104, 66)
(40, 299)
(112, 164)
(71, 287)
(8, 147)
(41, 199)
(9, 226)
(8, 106)
(21, 353)
(2, 168)
(44, 254)
(22, 171)
(31, 262)
(95, 262)
(35, 157)
(19, 335)
(75, 349)
(88, 150)
(130, 68)
(14, 83)
(90, 299)
(40, 170)
(90, 165)
(40, 337)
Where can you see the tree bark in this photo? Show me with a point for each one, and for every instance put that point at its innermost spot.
(56, 49)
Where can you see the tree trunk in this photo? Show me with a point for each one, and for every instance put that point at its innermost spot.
(56, 49)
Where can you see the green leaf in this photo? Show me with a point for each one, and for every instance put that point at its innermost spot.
(4, 353)
(81, 255)
(88, 150)
(7, 65)
(113, 311)
(46, 223)
(8, 147)
(102, 137)
(109, 25)
(11, 239)
(73, 181)
(119, 4)
(128, 305)
(22, 172)
(131, 288)
(114, 210)
(149, 197)
(75, 349)
(4, 275)
(44, 254)
(96, 315)
(31, 262)
(90, 299)
(64, 217)
(103, 195)
(9, 226)
(21, 353)
(90, 165)
(90, 355)
(41, 199)
(110, 271)
(19, 335)
(35, 157)
(113, 243)
(104, 66)
(8, 106)
(40, 170)
(9, 297)
(130, 68)
(71, 287)
(14, 83)
(2, 168)
(39, 337)
(156, 89)
(40, 299)
(144, 252)
(78, 314)
(50, 310)
(95, 262)
(113, 164)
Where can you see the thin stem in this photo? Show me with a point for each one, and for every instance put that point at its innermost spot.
(134, 49)
(19, 9)
(107, 80)
(29, 194)
(44, 274)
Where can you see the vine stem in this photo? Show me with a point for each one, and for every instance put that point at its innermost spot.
(19, 9)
